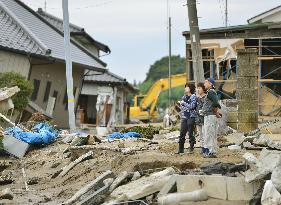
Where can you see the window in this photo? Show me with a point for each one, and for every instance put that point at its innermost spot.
(55, 95)
(47, 91)
(36, 86)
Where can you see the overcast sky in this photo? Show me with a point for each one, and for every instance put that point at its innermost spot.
(136, 30)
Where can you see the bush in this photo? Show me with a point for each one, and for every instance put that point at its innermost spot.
(11, 79)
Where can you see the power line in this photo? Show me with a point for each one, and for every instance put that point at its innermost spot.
(90, 6)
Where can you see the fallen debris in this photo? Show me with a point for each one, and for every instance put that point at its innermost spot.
(119, 180)
(143, 187)
(259, 169)
(226, 169)
(70, 166)
(84, 191)
(270, 195)
(276, 176)
(7, 194)
(175, 198)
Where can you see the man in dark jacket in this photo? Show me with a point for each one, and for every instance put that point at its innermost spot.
(188, 114)
(210, 111)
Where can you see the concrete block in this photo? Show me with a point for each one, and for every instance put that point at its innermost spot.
(248, 117)
(247, 61)
(247, 94)
(248, 105)
(246, 127)
(14, 146)
(238, 189)
(218, 187)
(232, 117)
(169, 187)
(215, 186)
(247, 82)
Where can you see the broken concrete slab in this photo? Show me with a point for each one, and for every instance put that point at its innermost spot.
(260, 168)
(276, 176)
(95, 184)
(98, 196)
(262, 140)
(175, 198)
(169, 187)
(270, 195)
(144, 186)
(14, 146)
(119, 180)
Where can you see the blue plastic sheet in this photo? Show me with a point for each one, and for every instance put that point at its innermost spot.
(119, 135)
(42, 134)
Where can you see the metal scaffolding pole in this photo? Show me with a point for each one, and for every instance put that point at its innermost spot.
(68, 62)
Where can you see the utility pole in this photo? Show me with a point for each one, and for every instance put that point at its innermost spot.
(170, 54)
(45, 5)
(195, 42)
(226, 13)
(68, 62)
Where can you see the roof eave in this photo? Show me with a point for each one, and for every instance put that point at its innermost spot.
(100, 45)
(61, 33)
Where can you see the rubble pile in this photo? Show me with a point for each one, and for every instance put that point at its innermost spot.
(266, 169)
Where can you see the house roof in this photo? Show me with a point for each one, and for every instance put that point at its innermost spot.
(268, 29)
(24, 31)
(74, 29)
(264, 14)
(107, 78)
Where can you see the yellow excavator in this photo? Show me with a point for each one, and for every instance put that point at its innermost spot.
(145, 106)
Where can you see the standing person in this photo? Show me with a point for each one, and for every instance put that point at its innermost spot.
(210, 111)
(199, 120)
(188, 114)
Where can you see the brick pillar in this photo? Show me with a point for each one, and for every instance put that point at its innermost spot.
(247, 89)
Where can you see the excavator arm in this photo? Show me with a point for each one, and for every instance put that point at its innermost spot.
(151, 98)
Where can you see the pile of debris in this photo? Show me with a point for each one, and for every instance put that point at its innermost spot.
(267, 170)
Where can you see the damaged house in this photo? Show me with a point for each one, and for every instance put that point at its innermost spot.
(32, 46)
(103, 100)
(219, 51)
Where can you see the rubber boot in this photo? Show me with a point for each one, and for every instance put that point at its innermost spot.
(191, 148)
(206, 153)
(181, 148)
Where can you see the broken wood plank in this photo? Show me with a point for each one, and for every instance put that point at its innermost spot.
(70, 166)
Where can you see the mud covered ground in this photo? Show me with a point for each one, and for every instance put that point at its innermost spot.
(42, 163)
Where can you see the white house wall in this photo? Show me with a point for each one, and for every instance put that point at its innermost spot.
(273, 18)
(14, 62)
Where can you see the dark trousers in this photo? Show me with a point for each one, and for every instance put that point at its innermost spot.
(187, 125)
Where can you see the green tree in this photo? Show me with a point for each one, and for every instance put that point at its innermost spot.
(10, 79)
(160, 70)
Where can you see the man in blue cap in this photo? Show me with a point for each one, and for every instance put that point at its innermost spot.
(210, 111)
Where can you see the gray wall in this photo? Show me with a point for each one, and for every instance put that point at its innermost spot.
(14, 62)
(55, 73)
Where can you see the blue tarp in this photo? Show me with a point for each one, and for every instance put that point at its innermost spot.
(118, 135)
(42, 134)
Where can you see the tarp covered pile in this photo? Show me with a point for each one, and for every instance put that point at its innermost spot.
(42, 133)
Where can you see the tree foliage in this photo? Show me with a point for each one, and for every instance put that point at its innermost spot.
(10, 79)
